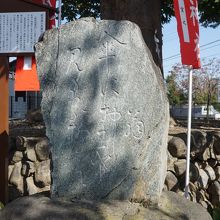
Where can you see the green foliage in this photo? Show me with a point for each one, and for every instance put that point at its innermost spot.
(73, 9)
(1, 206)
(174, 93)
(216, 214)
(209, 12)
(166, 11)
(217, 106)
(205, 82)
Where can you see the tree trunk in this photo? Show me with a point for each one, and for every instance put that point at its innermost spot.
(146, 14)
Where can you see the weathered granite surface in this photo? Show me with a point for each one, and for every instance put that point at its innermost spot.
(105, 110)
(171, 206)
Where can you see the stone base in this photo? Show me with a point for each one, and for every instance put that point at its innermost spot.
(171, 206)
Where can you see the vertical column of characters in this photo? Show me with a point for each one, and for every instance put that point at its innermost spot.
(10, 31)
(21, 31)
(105, 153)
(195, 30)
(28, 33)
(31, 30)
(42, 23)
(24, 32)
(13, 35)
(7, 32)
(17, 32)
(3, 32)
(35, 29)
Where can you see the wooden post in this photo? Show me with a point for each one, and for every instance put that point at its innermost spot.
(4, 100)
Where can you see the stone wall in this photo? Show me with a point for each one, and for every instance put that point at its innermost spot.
(29, 159)
(29, 169)
(205, 166)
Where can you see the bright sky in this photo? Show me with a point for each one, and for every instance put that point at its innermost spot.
(209, 44)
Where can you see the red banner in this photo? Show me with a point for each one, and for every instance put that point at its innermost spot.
(26, 78)
(186, 12)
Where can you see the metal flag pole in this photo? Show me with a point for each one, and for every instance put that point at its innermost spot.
(188, 134)
(60, 13)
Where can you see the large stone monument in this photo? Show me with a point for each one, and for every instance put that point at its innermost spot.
(106, 111)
